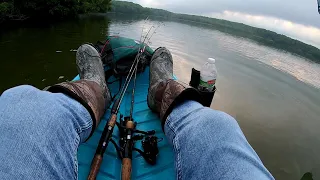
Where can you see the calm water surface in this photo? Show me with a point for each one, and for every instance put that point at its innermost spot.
(274, 95)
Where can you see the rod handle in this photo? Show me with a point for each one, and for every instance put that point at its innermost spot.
(126, 169)
(95, 166)
(112, 121)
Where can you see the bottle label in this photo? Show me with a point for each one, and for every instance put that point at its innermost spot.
(209, 84)
(212, 82)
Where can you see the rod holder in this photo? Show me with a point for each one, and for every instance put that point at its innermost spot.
(206, 96)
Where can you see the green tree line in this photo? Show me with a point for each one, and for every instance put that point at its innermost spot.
(44, 9)
(259, 35)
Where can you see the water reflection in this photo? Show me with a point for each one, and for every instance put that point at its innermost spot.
(278, 113)
(270, 106)
(186, 38)
(40, 54)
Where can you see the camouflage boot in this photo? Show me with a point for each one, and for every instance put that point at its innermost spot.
(164, 92)
(91, 90)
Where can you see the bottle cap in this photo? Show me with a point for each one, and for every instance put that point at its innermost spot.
(211, 60)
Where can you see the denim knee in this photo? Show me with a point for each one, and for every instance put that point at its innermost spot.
(213, 118)
(31, 109)
(18, 91)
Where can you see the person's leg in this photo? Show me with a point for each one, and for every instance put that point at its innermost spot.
(40, 131)
(209, 144)
(40, 134)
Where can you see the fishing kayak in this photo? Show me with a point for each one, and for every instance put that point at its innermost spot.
(146, 120)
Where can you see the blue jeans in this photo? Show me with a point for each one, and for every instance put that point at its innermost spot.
(209, 144)
(40, 133)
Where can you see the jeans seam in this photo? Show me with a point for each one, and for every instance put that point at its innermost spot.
(171, 127)
(178, 159)
(176, 147)
(75, 160)
(84, 128)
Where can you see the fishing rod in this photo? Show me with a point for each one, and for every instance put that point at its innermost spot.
(127, 128)
(130, 127)
(128, 145)
(108, 130)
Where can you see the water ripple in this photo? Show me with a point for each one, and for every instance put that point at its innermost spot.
(192, 45)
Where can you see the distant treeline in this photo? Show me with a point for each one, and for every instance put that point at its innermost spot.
(49, 9)
(259, 35)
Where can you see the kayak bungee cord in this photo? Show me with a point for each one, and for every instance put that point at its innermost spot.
(108, 130)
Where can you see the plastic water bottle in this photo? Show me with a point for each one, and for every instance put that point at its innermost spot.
(208, 75)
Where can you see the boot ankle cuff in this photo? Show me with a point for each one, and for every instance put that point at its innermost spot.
(66, 89)
(188, 93)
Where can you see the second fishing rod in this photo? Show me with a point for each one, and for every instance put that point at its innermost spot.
(108, 130)
(129, 135)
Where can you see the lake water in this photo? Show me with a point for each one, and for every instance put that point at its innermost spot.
(274, 95)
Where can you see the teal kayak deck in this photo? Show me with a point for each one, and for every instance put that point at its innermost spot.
(147, 120)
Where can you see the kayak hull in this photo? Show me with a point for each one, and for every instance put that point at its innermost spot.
(146, 121)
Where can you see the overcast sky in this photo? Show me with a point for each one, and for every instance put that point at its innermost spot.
(298, 19)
